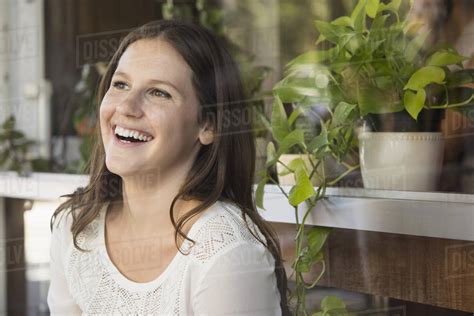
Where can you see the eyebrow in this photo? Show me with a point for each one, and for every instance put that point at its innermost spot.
(121, 73)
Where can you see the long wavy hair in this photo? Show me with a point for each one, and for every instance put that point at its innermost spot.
(223, 170)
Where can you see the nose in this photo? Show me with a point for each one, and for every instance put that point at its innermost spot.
(130, 105)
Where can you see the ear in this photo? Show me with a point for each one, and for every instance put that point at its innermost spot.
(206, 135)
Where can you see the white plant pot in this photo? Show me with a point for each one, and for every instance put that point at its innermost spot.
(401, 161)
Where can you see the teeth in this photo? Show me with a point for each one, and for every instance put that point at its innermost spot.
(128, 133)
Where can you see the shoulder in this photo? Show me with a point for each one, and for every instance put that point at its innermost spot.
(61, 223)
(62, 227)
(229, 257)
(223, 231)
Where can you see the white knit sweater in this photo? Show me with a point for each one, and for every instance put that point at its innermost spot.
(226, 272)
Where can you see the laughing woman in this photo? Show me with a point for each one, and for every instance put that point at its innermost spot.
(167, 224)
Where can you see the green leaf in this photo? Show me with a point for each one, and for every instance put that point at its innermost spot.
(425, 76)
(372, 8)
(384, 82)
(9, 123)
(330, 31)
(279, 121)
(343, 21)
(303, 189)
(414, 102)
(292, 165)
(294, 115)
(320, 39)
(303, 265)
(40, 165)
(415, 45)
(445, 58)
(342, 112)
(319, 141)
(4, 156)
(294, 91)
(296, 137)
(294, 88)
(358, 16)
(16, 135)
(259, 192)
(288, 94)
(271, 155)
(311, 57)
(317, 237)
(379, 22)
(330, 303)
(351, 42)
(393, 6)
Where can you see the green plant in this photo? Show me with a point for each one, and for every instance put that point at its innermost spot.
(335, 142)
(15, 148)
(364, 63)
(371, 60)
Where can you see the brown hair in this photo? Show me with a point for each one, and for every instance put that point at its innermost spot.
(223, 170)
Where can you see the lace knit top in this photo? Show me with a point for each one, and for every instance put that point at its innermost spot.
(227, 271)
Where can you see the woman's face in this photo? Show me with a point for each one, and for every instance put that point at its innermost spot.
(151, 93)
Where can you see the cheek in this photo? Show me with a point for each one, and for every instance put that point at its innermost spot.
(174, 125)
(106, 112)
(107, 106)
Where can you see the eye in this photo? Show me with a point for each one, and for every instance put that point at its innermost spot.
(160, 93)
(119, 85)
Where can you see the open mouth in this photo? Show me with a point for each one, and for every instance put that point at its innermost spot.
(128, 136)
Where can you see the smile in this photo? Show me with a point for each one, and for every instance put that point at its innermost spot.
(131, 136)
(123, 136)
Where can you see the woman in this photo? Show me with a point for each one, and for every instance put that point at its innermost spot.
(168, 224)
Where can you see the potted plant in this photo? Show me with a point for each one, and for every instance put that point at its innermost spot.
(370, 60)
(370, 67)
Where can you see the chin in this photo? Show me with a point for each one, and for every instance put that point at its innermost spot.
(119, 168)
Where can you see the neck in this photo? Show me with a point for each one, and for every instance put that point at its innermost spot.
(147, 200)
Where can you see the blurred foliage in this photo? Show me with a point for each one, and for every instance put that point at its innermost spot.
(85, 116)
(296, 23)
(84, 105)
(15, 150)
